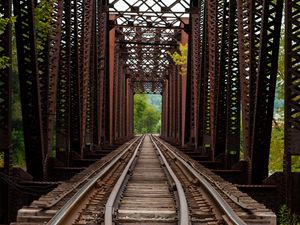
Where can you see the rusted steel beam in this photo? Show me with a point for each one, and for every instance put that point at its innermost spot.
(214, 29)
(245, 13)
(221, 81)
(63, 88)
(227, 115)
(265, 89)
(95, 77)
(195, 44)
(53, 60)
(116, 94)
(292, 96)
(5, 111)
(102, 71)
(75, 100)
(184, 41)
(232, 145)
(85, 50)
(204, 131)
(111, 81)
(5, 87)
(92, 103)
(29, 86)
(249, 27)
(165, 17)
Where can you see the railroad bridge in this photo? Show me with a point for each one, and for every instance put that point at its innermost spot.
(78, 81)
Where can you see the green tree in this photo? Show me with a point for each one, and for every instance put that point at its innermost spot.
(180, 58)
(146, 116)
(4, 59)
(285, 217)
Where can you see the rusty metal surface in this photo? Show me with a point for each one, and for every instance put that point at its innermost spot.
(146, 31)
(265, 89)
(50, 203)
(227, 114)
(5, 88)
(63, 87)
(53, 61)
(292, 93)
(155, 13)
(147, 197)
(241, 205)
(5, 113)
(29, 86)
(80, 86)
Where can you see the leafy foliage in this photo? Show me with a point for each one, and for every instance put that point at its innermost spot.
(180, 58)
(43, 15)
(1, 159)
(4, 62)
(276, 149)
(285, 217)
(4, 22)
(146, 116)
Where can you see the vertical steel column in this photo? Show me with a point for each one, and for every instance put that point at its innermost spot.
(167, 104)
(232, 147)
(29, 85)
(86, 60)
(123, 101)
(131, 105)
(164, 111)
(90, 125)
(126, 122)
(177, 105)
(112, 38)
(170, 104)
(249, 18)
(183, 119)
(204, 132)
(194, 70)
(174, 103)
(92, 107)
(102, 60)
(219, 134)
(5, 110)
(96, 86)
(214, 29)
(227, 116)
(212, 64)
(116, 94)
(63, 90)
(244, 27)
(292, 95)
(53, 70)
(265, 89)
(75, 101)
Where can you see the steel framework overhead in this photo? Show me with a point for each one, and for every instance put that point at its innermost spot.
(77, 84)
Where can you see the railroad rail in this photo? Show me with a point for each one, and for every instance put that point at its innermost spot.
(146, 194)
(148, 181)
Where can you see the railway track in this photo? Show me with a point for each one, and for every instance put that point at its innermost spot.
(149, 182)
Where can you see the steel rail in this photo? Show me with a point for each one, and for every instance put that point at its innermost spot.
(60, 197)
(184, 210)
(109, 207)
(235, 219)
(62, 214)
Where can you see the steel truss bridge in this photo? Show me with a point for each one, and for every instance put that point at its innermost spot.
(77, 84)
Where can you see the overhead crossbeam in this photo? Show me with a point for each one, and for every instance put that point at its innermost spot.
(141, 13)
(147, 31)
